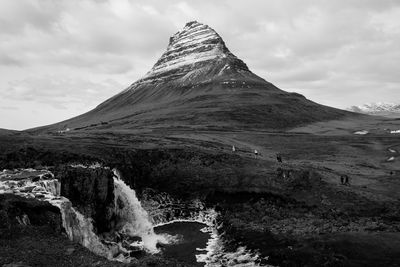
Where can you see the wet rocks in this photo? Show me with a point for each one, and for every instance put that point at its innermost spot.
(163, 208)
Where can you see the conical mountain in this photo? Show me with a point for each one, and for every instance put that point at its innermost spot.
(199, 83)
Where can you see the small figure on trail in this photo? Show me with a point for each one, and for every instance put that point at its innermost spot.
(255, 153)
(233, 148)
(342, 179)
(391, 173)
(279, 158)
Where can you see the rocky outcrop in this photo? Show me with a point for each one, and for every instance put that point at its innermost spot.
(163, 208)
(17, 211)
(91, 191)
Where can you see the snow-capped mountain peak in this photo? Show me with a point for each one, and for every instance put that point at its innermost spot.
(195, 43)
(378, 108)
(190, 52)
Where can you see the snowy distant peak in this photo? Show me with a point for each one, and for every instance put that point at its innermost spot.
(191, 49)
(376, 108)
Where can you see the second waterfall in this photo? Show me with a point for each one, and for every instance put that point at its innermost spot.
(132, 219)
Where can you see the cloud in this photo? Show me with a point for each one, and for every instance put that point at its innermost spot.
(61, 53)
(16, 16)
(60, 91)
(9, 61)
(9, 107)
(108, 36)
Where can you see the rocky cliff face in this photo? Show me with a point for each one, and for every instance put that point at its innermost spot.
(91, 190)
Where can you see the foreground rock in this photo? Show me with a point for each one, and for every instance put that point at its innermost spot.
(17, 212)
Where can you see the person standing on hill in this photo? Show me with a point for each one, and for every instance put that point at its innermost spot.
(344, 179)
(233, 149)
(255, 153)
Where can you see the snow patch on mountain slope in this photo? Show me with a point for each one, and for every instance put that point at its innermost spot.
(187, 60)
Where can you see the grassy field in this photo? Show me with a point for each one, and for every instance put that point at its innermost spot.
(294, 211)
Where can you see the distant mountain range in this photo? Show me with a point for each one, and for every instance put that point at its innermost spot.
(379, 108)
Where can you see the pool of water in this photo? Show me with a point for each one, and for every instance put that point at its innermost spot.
(189, 237)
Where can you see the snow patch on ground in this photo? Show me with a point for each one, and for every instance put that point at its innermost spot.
(362, 132)
(391, 159)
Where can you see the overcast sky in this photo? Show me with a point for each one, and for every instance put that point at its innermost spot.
(59, 59)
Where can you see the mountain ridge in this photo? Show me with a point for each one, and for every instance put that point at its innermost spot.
(377, 108)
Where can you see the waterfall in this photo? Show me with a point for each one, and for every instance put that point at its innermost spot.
(52, 186)
(133, 219)
(80, 229)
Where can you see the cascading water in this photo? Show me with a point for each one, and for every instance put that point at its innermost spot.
(133, 219)
(52, 186)
(80, 229)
